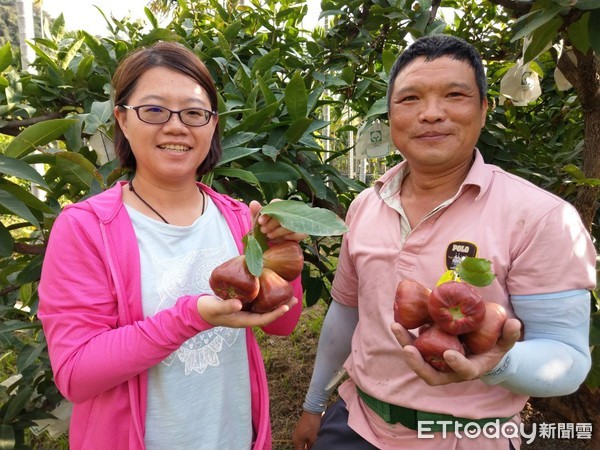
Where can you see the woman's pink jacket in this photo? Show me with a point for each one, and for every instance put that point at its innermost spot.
(99, 343)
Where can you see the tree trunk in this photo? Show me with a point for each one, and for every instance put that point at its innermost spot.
(588, 90)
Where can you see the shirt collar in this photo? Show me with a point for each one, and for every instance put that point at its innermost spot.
(390, 184)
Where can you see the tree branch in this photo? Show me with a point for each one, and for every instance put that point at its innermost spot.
(14, 127)
(29, 249)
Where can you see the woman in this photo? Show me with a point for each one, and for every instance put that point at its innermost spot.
(138, 342)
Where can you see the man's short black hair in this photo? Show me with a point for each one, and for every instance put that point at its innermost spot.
(436, 46)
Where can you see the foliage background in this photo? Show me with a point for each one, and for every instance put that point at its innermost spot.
(291, 101)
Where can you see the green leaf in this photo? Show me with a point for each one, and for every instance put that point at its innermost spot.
(578, 33)
(241, 174)
(70, 54)
(254, 256)
(264, 64)
(256, 121)
(296, 98)
(231, 154)
(574, 171)
(100, 51)
(316, 183)
(587, 4)
(232, 30)
(32, 271)
(37, 135)
(78, 167)
(378, 108)
(47, 59)
(104, 110)
(476, 271)
(273, 172)
(151, 17)
(5, 56)
(7, 437)
(538, 19)
(224, 45)
(266, 91)
(17, 207)
(348, 75)
(17, 168)
(26, 197)
(388, 59)
(314, 289)
(7, 243)
(16, 403)
(595, 329)
(541, 37)
(301, 218)
(297, 129)
(237, 140)
(28, 355)
(84, 69)
(593, 27)
(593, 377)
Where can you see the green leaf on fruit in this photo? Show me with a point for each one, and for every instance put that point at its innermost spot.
(448, 275)
(475, 271)
(260, 237)
(301, 218)
(254, 256)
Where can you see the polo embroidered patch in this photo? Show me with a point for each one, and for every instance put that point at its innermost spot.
(457, 250)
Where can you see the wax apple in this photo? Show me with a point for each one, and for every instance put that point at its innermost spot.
(484, 338)
(456, 307)
(232, 279)
(286, 259)
(432, 342)
(411, 304)
(274, 291)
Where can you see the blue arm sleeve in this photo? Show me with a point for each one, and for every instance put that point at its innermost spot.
(554, 357)
(334, 348)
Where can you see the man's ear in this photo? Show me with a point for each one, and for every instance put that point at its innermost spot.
(484, 109)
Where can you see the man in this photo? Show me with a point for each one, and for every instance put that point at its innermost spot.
(441, 204)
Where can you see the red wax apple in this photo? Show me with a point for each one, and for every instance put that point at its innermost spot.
(456, 307)
(274, 291)
(286, 259)
(410, 304)
(484, 338)
(232, 279)
(432, 342)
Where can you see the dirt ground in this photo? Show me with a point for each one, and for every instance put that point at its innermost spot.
(289, 362)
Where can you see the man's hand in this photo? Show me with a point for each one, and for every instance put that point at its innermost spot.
(228, 313)
(305, 433)
(271, 227)
(464, 368)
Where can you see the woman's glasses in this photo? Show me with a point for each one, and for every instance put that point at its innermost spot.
(153, 114)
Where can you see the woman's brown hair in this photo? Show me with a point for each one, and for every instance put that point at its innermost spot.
(174, 56)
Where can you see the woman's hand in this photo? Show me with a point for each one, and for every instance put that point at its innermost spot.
(271, 226)
(464, 368)
(228, 313)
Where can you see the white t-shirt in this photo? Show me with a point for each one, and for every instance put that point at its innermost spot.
(198, 397)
